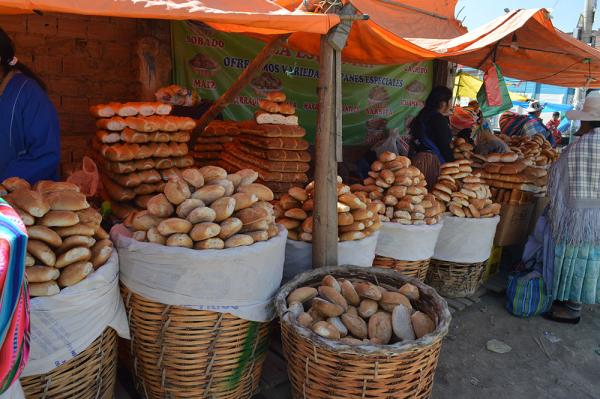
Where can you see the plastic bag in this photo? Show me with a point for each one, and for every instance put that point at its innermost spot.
(87, 178)
(390, 143)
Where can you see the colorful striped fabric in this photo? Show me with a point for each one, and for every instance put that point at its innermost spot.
(511, 123)
(14, 297)
(525, 295)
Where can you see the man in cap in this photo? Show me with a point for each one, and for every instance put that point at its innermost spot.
(535, 124)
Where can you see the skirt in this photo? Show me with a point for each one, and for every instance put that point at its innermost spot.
(429, 164)
(576, 273)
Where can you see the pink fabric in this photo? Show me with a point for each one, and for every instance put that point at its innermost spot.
(492, 87)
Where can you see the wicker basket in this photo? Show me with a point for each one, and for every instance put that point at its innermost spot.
(91, 374)
(179, 352)
(321, 369)
(455, 280)
(416, 268)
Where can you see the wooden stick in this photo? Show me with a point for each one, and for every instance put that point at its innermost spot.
(253, 69)
(325, 233)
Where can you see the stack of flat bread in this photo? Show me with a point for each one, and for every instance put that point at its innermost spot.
(210, 143)
(139, 146)
(275, 111)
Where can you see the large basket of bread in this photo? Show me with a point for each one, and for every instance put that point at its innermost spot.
(183, 249)
(351, 332)
(409, 211)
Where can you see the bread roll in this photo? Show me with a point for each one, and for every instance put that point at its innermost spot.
(422, 324)
(209, 194)
(204, 231)
(155, 237)
(177, 191)
(261, 191)
(67, 201)
(345, 219)
(45, 234)
(238, 240)
(40, 274)
(201, 214)
(59, 219)
(160, 206)
(50, 186)
(16, 183)
(78, 254)
(307, 225)
(144, 220)
(83, 229)
(193, 177)
(74, 273)
(26, 218)
(75, 241)
(101, 252)
(262, 225)
(211, 243)
(352, 235)
(30, 201)
(229, 227)
(250, 216)
(244, 200)
(29, 260)
(48, 288)
(174, 226)
(89, 215)
(213, 173)
(41, 252)
(257, 236)
(248, 176)
(187, 206)
(179, 240)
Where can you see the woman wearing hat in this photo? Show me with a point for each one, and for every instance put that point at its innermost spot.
(534, 124)
(572, 271)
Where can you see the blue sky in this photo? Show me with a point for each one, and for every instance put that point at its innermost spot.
(564, 16)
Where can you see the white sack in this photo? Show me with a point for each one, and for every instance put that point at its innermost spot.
(15, 391)
(64, 325)
(466, 240)
(407, 242)
(298, 255)
(241, 281)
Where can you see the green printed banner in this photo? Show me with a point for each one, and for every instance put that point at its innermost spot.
(374, 97)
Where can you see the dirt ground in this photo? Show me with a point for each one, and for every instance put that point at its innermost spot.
(569, 368)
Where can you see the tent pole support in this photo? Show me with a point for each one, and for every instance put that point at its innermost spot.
(325, 233)
(252, 70)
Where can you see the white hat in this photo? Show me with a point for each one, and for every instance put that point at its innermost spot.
(534, 106)
(590, 111)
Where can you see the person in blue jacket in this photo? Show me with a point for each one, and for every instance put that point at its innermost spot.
(29, 129)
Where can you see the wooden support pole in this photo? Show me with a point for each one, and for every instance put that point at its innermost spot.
(252, 70)
(325, 234)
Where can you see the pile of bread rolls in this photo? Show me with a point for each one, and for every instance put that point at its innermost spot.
(358, 215)
(139, 146)
(401, 187)
(358, 312)
(536, 150)
(207, 208)
(461, 149)
(465, 194)
(66, 242)
(209, 144)
(277, 152)
(275, 111)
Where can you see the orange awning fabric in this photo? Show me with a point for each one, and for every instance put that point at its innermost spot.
(381, 39)
(250, 16)
(526, 46)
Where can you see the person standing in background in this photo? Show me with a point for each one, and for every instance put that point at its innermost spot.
(431, 135)
(552, 126)
(29, 128)
(534, 124)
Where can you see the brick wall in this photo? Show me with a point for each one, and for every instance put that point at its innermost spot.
(83, 61)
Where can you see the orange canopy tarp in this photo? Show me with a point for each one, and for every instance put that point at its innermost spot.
(254, 16)
(526, 46)
(381, 38)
